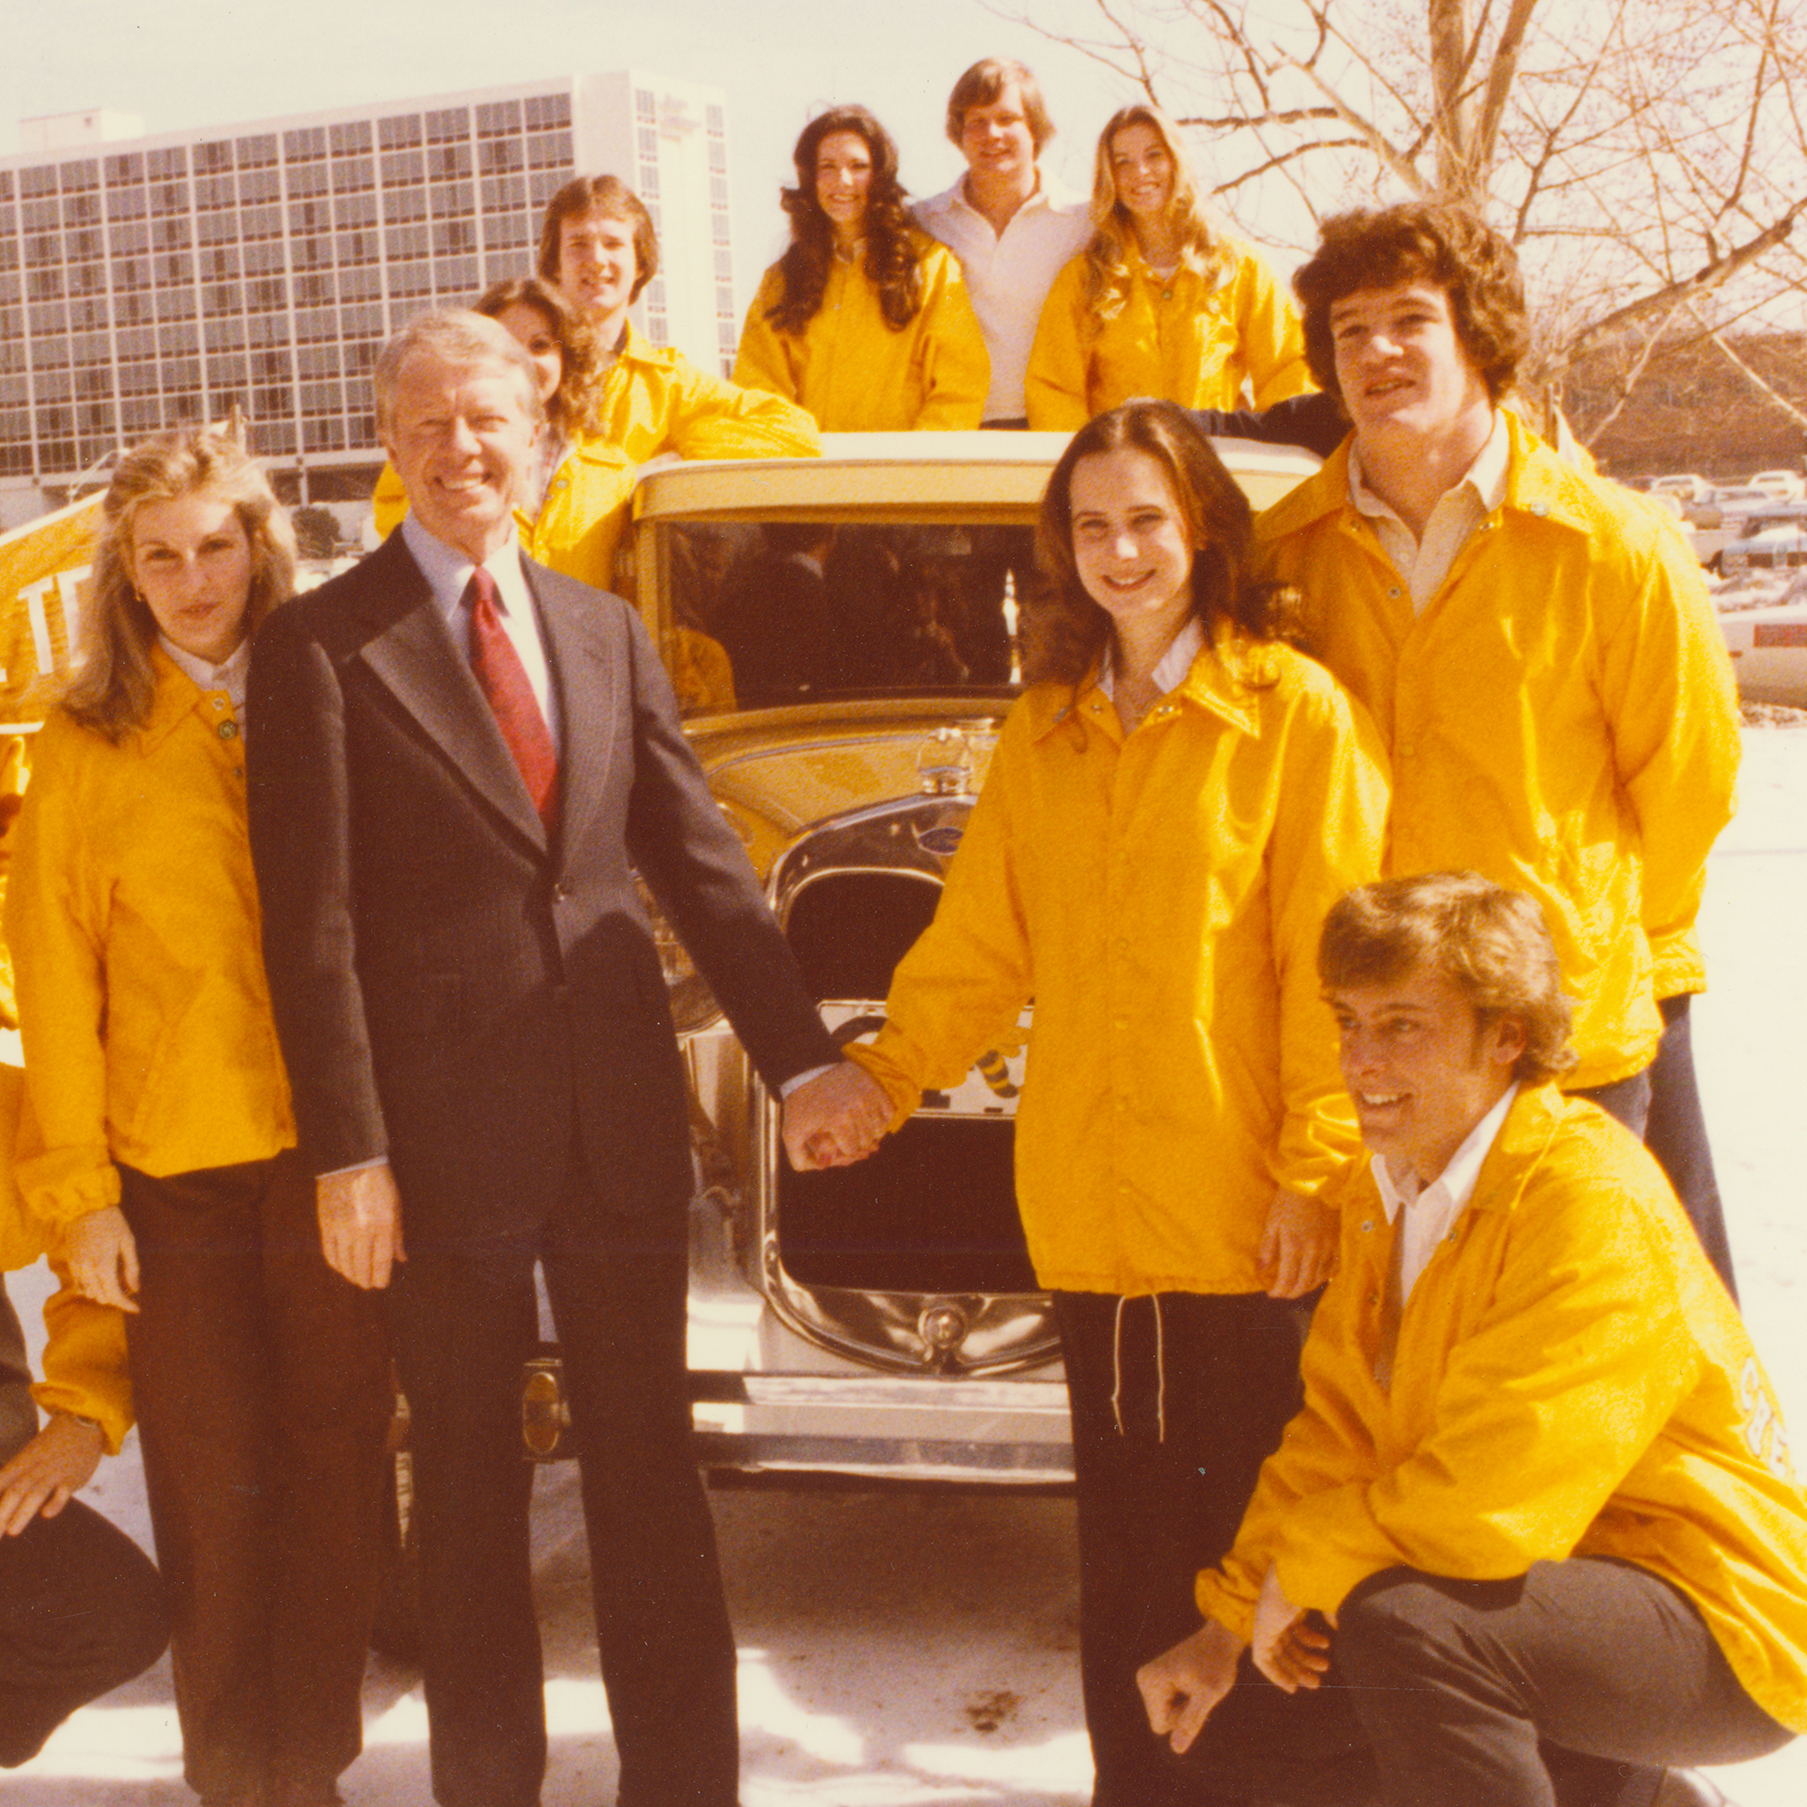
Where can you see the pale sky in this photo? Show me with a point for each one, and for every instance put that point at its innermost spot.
(188, 63)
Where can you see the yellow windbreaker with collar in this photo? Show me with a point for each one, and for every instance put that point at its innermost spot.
(1561, 718)
(1181, 338)
(132, 914)
(1159, 896)
(1568, 1378)
(857, 374)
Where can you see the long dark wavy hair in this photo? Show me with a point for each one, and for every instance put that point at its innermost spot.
(1066, 631)
(892, 258)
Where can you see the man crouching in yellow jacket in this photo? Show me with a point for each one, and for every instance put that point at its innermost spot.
(1535, 1535)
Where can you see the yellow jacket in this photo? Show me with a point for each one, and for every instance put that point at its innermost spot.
(133, 919)
(857, 374)
(1160, 898)
(1175, 338)
(1561, 718)
(1569, 1378)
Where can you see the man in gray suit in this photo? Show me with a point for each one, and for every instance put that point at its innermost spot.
(458, 762)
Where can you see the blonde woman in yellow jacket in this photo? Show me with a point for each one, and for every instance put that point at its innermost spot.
(1158, 304)
(157, 1134)
(1171, 808)
(1540, 1486)
(865, 320)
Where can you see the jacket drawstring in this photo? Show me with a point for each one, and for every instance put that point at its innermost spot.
(1160, 1368)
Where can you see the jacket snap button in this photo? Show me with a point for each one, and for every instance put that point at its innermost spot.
(228, 730)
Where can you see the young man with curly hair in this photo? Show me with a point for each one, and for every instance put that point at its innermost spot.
(1537, 649)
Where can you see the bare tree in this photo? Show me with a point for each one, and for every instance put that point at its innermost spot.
(1648, 157)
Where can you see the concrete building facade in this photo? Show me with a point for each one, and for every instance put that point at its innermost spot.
(149, 281)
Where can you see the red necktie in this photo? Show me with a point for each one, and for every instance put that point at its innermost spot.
(504, 681)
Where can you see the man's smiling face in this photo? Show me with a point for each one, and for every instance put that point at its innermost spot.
(1400, 365)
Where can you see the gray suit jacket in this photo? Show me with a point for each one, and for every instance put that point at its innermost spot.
(451, 989)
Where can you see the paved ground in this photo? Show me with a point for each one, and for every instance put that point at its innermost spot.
(916, 1649)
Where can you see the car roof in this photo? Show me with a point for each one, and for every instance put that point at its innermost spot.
(914, 476)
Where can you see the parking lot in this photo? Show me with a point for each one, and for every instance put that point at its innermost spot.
(915, 1647)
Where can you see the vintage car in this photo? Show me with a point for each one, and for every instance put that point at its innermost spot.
(840, 631)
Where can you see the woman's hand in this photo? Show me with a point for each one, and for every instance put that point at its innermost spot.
(1288, 1651)
(1298, 1247)
(47, 1473)
(835, 1119)
(103, 1258)
(1181, 1688)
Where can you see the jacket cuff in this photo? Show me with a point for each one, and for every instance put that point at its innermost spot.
(68, 1183)
(904, 1093)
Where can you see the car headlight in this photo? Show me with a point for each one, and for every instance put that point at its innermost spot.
(693, 1005)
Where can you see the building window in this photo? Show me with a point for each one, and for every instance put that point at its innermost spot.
(498, 118)
(305, 145)
(37, 181)
(499, 156)
(500, 193)
(398, 132)
(353, 173)
(548, 110)
(403, 166)
(450, 123)
(547, 149)
(85, 174)
(649, 181)
(446, 161)
(714, 123)
(255, 153)
(349, 138)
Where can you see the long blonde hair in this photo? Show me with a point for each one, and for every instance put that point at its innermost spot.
(1107, 255)
(115, 682)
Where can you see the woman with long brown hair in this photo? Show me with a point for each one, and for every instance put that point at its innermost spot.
(1173, 804)
(864, 320)
(158, 1133)
(1159, 303)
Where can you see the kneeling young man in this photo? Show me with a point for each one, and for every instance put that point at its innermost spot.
(1535, 1534)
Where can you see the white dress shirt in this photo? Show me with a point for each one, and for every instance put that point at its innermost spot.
(1431, 1211)
(1009, 273)
(448, 574)
(229, 675)
(1425, 563)
(1174, 663)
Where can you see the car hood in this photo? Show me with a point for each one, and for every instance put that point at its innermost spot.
(778, 772)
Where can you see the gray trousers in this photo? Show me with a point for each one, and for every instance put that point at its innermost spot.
(1573, 1685)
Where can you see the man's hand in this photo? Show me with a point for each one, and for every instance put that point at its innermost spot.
(1289, 1652)
(48, 1472)
(360, 1224)
(103, 1258)
(835, 1119)
(1298, 1246)
(1181, 1689)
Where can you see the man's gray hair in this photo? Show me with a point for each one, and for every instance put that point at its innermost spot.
(462, 339)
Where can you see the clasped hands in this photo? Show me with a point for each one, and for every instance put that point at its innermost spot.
(1181, 1689)
(838, 1117)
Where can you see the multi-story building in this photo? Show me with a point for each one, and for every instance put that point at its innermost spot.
(154, 280)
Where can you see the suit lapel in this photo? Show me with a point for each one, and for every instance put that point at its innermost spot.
(413, 656)
(586, 659)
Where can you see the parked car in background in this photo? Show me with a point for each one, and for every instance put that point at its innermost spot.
(1763, 615)
(1788, 485)
(1767, 543)
(1685, 484)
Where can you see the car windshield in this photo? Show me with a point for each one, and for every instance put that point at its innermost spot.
(793, 611)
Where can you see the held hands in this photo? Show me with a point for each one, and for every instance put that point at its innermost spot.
(1289, 1652)
(103, 1258)
(835, 1119)
(360, 1224)
(1181, 1689)
(47, 1473)
(1298, 1247)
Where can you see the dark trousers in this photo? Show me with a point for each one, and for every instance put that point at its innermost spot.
(81, 1610)
(261, 1384)
(1576, 1684)
(1203, 1385)
(464, 1317)
(1676, 1134)
(1661, 1105)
